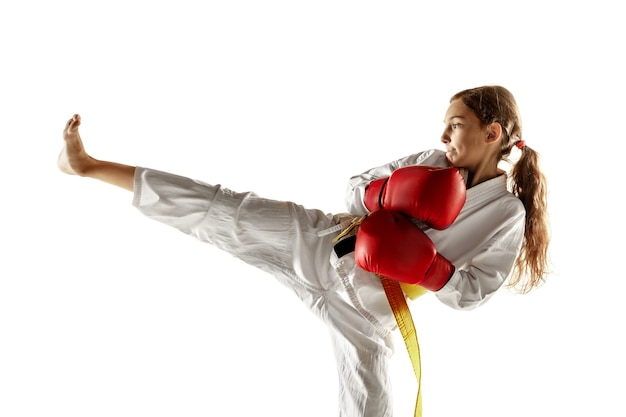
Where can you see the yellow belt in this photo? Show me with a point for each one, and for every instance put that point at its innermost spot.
(397, 301)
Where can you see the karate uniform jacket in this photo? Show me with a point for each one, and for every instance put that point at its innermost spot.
(482, 243)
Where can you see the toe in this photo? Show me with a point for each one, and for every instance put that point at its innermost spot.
(73, 123)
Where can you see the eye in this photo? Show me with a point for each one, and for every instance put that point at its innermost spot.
(455, 125)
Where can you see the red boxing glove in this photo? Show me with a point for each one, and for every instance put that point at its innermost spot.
(389, 244)
(431, 194)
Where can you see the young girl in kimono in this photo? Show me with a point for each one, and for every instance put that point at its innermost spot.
(450, 221)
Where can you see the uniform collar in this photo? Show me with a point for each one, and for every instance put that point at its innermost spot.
(488, 190)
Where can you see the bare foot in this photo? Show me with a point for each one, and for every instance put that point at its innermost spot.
(73, 159)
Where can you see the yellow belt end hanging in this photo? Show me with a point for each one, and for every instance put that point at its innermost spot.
(397, 301)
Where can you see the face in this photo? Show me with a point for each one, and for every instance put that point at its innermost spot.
(465, 139)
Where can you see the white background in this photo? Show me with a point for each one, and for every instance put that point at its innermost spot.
(106, 313)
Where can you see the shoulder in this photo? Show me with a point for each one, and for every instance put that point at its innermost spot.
(510, 210)
(512, 205)
(430, 157)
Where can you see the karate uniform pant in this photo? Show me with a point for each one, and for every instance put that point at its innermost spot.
(282, 238)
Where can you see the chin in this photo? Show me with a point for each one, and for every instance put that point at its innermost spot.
(450, 158)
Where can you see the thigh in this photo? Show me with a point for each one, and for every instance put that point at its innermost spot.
(278, 236)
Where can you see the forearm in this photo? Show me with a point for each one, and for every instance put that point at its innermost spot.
(357, 184)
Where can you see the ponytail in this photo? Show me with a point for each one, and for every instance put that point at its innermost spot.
(529, 184)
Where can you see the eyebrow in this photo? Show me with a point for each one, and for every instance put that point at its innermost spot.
(454, 117)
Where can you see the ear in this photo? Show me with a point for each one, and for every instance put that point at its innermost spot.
(494, 132)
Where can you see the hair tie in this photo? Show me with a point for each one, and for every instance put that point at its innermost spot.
(520, 144)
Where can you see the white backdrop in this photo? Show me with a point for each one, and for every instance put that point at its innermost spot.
(106, 313)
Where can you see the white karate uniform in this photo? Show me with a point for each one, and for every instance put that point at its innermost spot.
(288, 241)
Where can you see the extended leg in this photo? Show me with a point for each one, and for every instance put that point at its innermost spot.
(74, 160)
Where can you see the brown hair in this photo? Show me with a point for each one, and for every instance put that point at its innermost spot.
(497, 104)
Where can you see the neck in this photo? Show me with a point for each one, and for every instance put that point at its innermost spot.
(481, 175)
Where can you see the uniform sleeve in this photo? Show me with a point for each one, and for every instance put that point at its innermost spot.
(473, 283)
(357, 184)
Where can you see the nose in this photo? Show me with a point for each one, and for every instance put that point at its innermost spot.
(445, 138)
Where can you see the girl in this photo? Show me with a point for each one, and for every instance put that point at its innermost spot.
(496, 232)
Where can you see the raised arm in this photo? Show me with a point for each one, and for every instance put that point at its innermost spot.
(475, 281)
(355, 191)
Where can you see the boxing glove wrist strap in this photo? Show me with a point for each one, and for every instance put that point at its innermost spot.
(374, 192)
